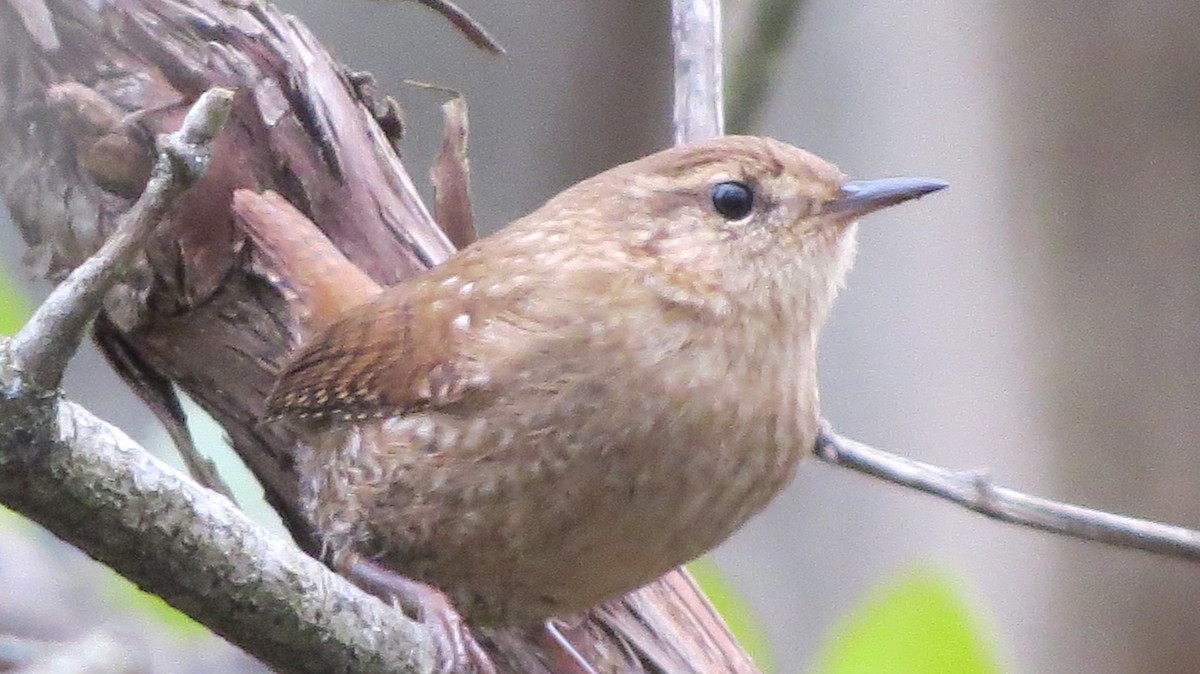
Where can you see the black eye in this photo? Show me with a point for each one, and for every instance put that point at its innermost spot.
(733, 200)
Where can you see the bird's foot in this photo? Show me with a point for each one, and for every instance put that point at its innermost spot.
(457, 649)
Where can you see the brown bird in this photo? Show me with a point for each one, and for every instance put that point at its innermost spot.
(603, 390)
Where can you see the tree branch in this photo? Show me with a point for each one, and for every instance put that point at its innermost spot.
(42, 348)
(699, 96)
(94, 487)
(98, 490)
(470, 28)
(975, 491)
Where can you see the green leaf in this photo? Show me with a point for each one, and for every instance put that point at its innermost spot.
(918, 623)
(14, 306)
(125, 594)
(737, 613)
(14, 524)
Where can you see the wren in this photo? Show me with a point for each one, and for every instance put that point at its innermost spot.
(603, 390)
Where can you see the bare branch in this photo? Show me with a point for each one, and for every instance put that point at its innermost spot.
(44, 345)
(975, 491)
(470, 28)
(98, 490)
(160, 396)
(699, 97)
(94, 487)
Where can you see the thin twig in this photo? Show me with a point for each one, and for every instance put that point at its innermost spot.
(470, 28)
(975, 491)
(159, 394)
(756, 61)
(200, 467)
(699, 97)
(44, 345)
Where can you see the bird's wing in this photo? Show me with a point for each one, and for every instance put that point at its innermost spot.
(408, 348)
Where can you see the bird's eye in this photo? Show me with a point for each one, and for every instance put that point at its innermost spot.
(732, 199)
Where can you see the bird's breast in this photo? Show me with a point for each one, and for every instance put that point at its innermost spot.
(576, 482)
(732, 427)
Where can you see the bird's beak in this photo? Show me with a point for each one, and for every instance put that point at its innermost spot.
(859, 197)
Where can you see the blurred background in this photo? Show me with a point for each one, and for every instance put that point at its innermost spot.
(1041, 319)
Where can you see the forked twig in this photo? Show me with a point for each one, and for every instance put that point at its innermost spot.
(95, 488)
(975, 491)
(44, 345)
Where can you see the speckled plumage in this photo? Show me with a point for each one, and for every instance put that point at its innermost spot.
(601, 391)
